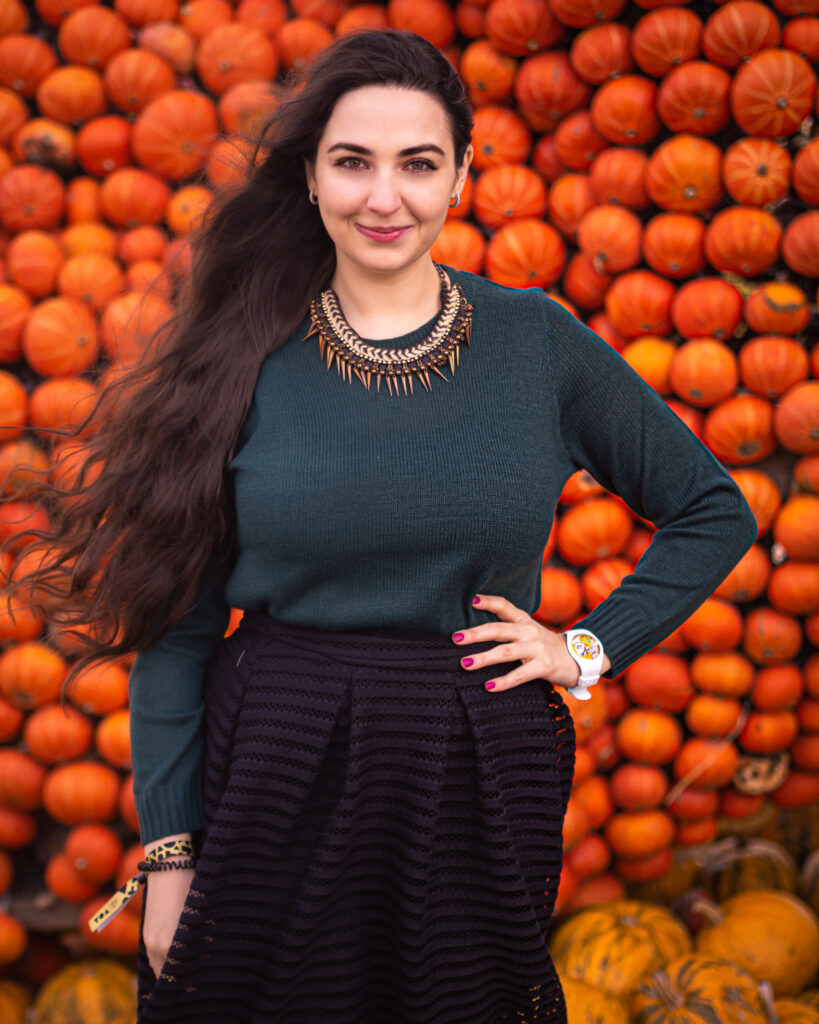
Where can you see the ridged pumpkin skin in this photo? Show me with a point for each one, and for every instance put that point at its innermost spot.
(613, 946)
(739, 864)
(101, 987)
(694, 989)
(771, 934)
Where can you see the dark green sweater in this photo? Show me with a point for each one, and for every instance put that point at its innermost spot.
(358, 509)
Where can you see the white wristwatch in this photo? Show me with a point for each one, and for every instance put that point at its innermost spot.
(587, 651)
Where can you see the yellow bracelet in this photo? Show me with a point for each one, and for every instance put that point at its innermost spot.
(126, 892)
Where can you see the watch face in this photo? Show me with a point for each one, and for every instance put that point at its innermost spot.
(585, 645)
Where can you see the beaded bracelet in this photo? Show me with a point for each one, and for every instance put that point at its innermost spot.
(157, 860)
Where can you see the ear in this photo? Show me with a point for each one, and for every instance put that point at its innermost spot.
(309, 175)
(464, 168)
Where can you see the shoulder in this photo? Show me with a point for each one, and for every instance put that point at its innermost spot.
(532, 300)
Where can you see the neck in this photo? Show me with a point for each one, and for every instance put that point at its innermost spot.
(374, 302)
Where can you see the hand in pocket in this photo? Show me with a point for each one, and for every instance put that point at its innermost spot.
(165, 899)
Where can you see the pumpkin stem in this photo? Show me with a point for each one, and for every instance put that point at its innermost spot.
(767, 996)
(670, 996)
(709, 910)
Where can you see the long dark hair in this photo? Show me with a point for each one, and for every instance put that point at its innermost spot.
(128, 542)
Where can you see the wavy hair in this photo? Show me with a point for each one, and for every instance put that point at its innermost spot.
(129, 537)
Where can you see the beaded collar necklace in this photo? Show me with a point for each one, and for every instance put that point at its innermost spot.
(352, 354)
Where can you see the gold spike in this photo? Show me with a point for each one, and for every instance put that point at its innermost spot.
(451, 359)
(313, 330)
(468, 331)
(425, 379)
(321, 348)
(329, 357)
(404, 382)
(435, 368)
(410, 385)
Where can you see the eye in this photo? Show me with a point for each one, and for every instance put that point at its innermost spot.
(424, 164)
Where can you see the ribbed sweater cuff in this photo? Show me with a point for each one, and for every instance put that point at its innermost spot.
(165, 811)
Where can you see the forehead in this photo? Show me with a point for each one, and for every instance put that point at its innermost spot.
(386, 117)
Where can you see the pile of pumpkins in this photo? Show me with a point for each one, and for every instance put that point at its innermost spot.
(655, 168)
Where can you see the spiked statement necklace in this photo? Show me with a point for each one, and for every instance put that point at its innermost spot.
(353, 355)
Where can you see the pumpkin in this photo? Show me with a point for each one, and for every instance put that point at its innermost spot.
(507, 192)
(704, 371)
(747, 580)
(740, 429)
(673, 244)
(71, 94)
(582, 283)
(522, 27)
(772, 365)
(21, 780)
(648, 736)
(759, 928)
(777, 687)
(130, 197)
(570, 198)
(13, 401)
(80, 792)
(586, 1004)
(692, 988)
(489, 74)
(33, 260)
(694, 98)
(471, 20)
(756, 172)
(800, 247)
(640, 302)
(638, 834)
(13, 939)
(796, 527)
(772, 92)
(610, 236)
(705, 763)
(778, 307)
(64, 882)
(613, 946)
(172, 43)
(601, 52)
(14, 1001)
(31, 197)
(581, 13)
(740, 864)
(172, 134)
(499, 136)
(770, 636)
(112, 739)
(576, 141)
(793, 588)
(738, 29)
(460, 244)
(623, 110)
(592, 529)
(547, 87)
(617, 177)
(54, 735)
(524, 253)
(31, 674)
(103, 986)
(25, 60)
(743, 240)
(712, 717)
(684, 174)
(92, 36)
(89, 237)
(792, 1011)
(94, 852)
(806, 173)
(659, 680)
(664, 39)
(708, 306)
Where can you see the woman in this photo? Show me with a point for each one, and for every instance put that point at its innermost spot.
(374, 768)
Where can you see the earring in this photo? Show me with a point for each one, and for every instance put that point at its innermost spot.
(310, 195)
(457, 200)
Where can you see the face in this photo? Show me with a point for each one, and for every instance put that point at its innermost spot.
(364, 179)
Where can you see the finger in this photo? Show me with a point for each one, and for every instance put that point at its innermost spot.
(515, 651)
(502, 607)
(524, 674)
(488, 631)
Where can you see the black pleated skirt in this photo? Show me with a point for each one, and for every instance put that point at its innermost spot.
(382, 840)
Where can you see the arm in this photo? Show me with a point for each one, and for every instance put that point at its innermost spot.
(618, 428)
(165, 690)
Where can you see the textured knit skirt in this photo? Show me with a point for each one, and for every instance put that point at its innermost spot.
(382, 837)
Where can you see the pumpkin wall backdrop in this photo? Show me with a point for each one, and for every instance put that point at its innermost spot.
(655, 168)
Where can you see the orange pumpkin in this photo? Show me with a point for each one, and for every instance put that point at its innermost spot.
(664, 39)
(640, 302)
(499, 136)
(772, 92)
(749, 577)
(771, 637)
(507, 192)
(173, 43)
(796, 527)
(92, 36)
(684, 174)
(648, 736)
(743, 240)
(31, 197)
(60, 337)
(488, 73)
(25, 60)
(610, 236)
(623, 110)
(693, 97)
(54, 736)
(777, 307)
(756, 172)
(704, 371)
(617, 177)
(673, 244)
(740, 429)
(601, 52)
(738, 29)
(800, 244)
(806, 171)
(525, 252)
(81, 792)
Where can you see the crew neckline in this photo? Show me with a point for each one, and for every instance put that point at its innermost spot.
(416, 335)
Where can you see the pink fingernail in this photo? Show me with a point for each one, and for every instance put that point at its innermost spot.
(457, 637)
(491, 684)
(476, 600)
(466, 661)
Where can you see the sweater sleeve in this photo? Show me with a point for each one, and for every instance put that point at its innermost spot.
(618, 428)
(166, 709)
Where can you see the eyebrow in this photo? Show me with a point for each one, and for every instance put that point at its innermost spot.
(368, 152)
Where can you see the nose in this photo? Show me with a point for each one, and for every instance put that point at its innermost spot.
(384, 195)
